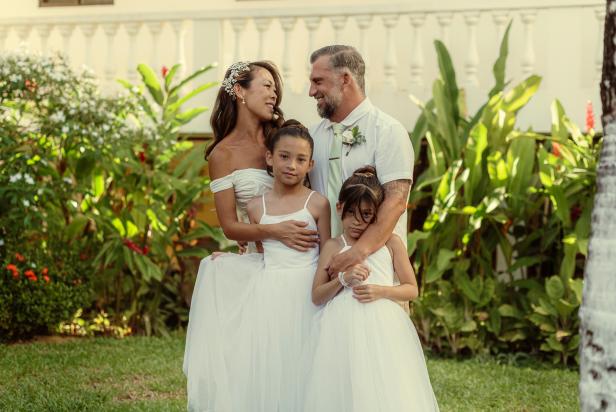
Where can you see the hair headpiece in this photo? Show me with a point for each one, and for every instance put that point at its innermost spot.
(235, 70)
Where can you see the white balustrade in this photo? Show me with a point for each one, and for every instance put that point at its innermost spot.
(396, 51)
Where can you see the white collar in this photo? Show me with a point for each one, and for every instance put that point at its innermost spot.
(358, 112)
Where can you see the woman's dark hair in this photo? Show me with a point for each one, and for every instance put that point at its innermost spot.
(291, 128)
(224, 114)
(362, 186)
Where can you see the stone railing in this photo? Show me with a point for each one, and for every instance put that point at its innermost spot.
(559, 40)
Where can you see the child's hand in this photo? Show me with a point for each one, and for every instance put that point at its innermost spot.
(368, 293)
(356, 274)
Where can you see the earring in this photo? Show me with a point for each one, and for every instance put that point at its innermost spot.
(243, 100)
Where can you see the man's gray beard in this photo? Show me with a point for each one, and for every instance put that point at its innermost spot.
(327, 110)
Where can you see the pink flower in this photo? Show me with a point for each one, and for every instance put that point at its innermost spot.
(590, 117)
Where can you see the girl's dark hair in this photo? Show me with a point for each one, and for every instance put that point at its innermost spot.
(291, 128)
(224, 114)
(362, 186)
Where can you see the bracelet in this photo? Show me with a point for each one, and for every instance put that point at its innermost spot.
(342, 281)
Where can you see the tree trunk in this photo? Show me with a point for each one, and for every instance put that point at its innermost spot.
(598, 311)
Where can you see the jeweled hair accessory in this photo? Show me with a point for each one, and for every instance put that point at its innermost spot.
(235, 70)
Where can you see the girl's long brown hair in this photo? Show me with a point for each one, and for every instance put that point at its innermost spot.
(224, 114)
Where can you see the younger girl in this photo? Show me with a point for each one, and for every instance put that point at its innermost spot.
(367, 353)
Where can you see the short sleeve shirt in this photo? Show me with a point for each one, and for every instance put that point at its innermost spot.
(387, 148)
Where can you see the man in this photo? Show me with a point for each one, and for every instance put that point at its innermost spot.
(371, 137)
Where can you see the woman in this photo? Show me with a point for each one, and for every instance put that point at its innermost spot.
(225, 369)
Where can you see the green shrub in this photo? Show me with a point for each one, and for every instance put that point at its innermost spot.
(35, 296)
(499, 194)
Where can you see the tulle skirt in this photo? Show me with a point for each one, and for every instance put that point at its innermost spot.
(247, 329)
(366, 357)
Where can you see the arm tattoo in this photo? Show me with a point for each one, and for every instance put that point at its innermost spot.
(398, 188)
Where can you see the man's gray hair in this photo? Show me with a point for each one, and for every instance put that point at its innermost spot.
(344, 57)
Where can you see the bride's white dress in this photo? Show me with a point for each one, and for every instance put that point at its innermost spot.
(367, 356)
(250, 315)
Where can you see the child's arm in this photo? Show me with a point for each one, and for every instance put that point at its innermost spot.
(406, 290)
(254, 209)
(324, 289)
(319, 207)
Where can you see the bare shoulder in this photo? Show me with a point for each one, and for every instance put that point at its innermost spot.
(319, 201)
(332, 246)
(219, 161)
(394, 243)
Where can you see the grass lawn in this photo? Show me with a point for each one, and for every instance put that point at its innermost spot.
(144, 374)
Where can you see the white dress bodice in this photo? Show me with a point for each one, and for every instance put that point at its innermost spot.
(276, 253)
(381, 267)
(246, 184)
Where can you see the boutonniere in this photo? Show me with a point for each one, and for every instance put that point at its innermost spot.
(351, 137)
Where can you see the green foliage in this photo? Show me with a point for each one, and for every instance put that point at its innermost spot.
(497, 251)
(106, 178)
(36, 295)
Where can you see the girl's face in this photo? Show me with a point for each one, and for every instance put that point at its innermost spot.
(355, 222)
(261, 96)
(291, 160)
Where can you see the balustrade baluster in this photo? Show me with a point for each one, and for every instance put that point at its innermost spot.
(155, 28)
(528, 62)
(88, 31)
(44, 31)
(389, 66)
(238, 26)
(417, 58)
(66, 31)
(472, 56)
(444, 22)
(132, 29)
(262, 24)
(338, 23)
(110, 30)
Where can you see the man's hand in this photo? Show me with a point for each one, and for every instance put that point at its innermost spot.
(293, 233)
(343, 261)
(368, 293)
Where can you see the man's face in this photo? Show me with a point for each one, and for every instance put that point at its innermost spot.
(326, 87)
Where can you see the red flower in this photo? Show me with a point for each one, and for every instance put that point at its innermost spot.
(142, 157)
(575, 213)
(164, 71)
(46, 278)
(132, 246)
(45, 272)
(31, 85)
(83, 256)
(13, 269)
(30, 275)
(556, 149)
(590, 117)
(20, 257)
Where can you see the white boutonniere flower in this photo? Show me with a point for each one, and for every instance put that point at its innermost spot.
(352, 137)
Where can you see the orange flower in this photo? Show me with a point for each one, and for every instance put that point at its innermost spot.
(164, 70)
(30, 275)
(19, 257)
(45, 271)
(46, 278)
(13, 269)
(556, 149)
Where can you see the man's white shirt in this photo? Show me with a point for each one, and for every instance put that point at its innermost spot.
(387, 148)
